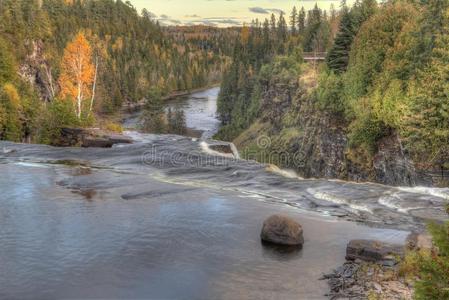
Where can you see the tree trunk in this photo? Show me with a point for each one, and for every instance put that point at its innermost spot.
(94, 85)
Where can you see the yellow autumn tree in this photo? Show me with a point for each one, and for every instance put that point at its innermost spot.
(77, 73)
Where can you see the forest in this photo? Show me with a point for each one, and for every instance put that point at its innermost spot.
(385, 75)
(66, 63)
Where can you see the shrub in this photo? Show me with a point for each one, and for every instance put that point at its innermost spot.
(433, 269)
(114, 127)
(366, 130)
(328, 93)
(429, 268)
(59, 114)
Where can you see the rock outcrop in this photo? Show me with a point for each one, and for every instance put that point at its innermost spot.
(90, 138)
(281, 230)
(317, 142)
(374, 251)
(419, 241)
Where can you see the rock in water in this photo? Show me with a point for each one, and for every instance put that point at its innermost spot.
(282, 230)
(374, 251)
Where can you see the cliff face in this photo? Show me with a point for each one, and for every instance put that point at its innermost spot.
(36, 70)
(316, 142)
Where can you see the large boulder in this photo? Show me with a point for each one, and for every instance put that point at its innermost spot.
(281, 230)
(374, 251)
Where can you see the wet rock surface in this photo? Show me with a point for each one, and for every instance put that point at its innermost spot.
(282, 230)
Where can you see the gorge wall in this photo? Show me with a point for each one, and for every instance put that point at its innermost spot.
(294, 133)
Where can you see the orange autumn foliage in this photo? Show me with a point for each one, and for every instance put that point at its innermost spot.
(77, 72)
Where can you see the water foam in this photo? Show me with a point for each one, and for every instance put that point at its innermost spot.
(283, 172)
(205, 148)
(436, 192)
(321, 195)
(391, 201)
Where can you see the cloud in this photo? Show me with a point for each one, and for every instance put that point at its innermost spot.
(215, 21)
(265, 11)
(258, 10)
(192, 16)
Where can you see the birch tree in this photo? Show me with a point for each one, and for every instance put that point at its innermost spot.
(77, 80)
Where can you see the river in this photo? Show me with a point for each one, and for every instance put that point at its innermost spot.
(200, 110)
(166, 218)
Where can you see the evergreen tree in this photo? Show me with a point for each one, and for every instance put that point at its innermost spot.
(338, 56)
(428, 120)
(153, 113)
(294, 21)
(301, 21)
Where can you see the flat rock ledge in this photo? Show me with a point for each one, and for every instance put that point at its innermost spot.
(283, 231)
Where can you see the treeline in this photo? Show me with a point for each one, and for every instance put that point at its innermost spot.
(390, 78)
(259, 44)
(386, 75)
(129, 52)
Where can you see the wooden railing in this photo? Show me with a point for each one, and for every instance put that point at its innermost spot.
(314, 55)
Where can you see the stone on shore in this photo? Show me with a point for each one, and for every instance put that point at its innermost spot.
(281, 230)
(374, 251)
(419, 241)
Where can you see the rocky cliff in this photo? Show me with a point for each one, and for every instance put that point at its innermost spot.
(293, 133)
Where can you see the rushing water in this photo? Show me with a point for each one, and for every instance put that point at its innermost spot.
(165, 218)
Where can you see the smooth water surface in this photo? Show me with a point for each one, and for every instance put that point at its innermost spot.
(200, 111)
(73, 232)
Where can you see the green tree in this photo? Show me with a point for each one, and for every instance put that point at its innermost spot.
(153, 113)
(7, 65)
(301, 21)
(427, 124)
(338, 56)
(294, 21)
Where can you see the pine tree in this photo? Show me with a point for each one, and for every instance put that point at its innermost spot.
(294, 21)
(153, 113)
(301, 21)
(428, 121)
(338, 56)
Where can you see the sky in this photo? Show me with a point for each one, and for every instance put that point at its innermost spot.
(221, 13)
